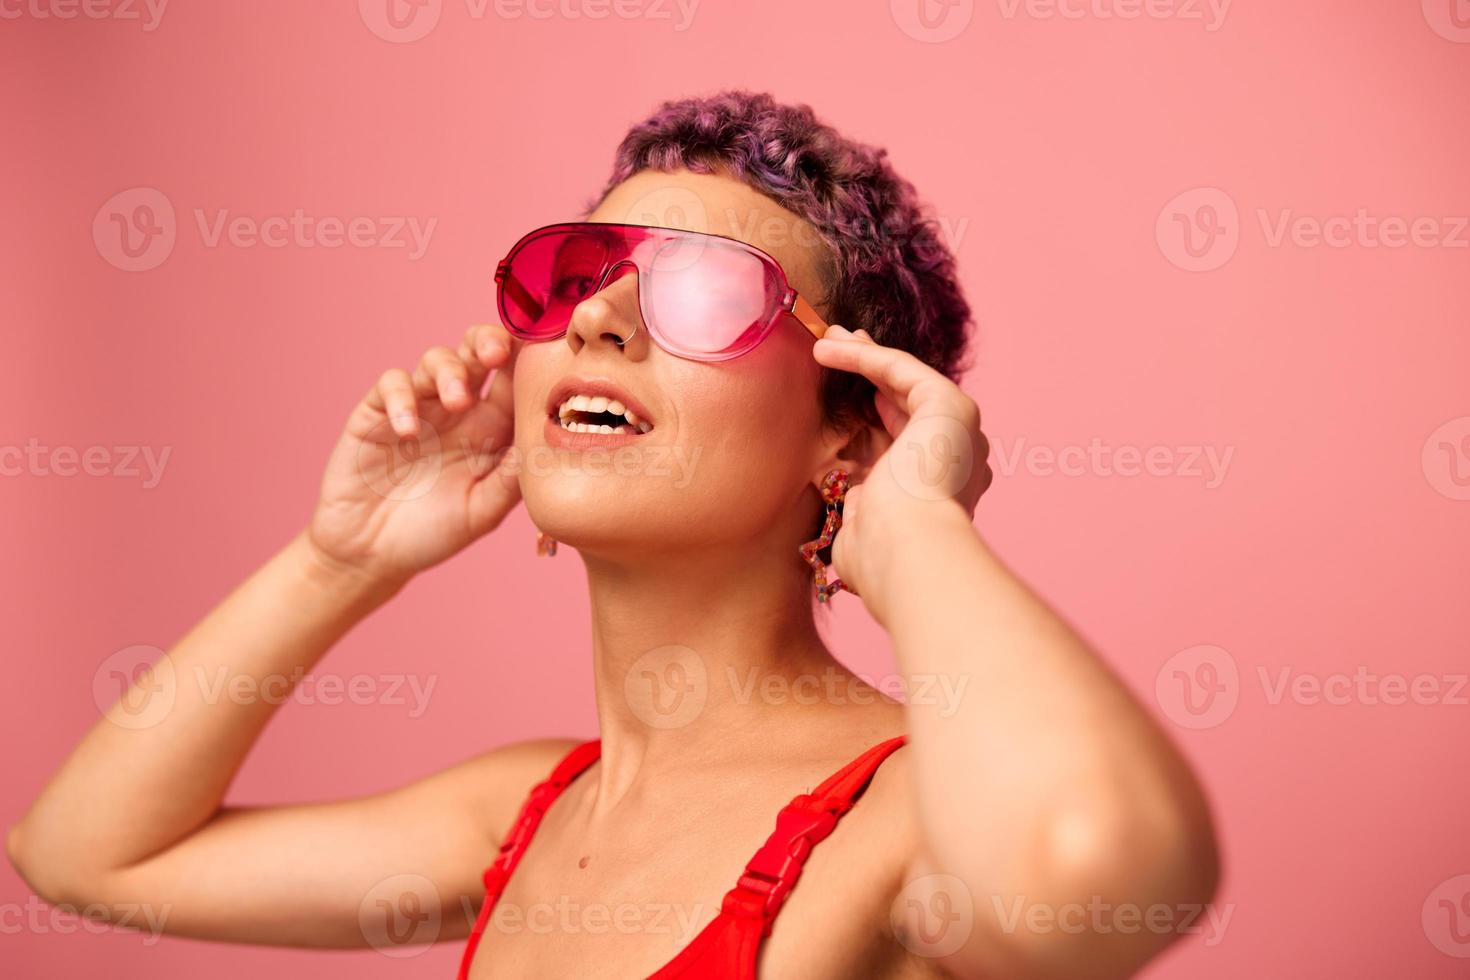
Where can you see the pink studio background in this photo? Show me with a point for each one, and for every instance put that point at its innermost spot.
(1337, 538)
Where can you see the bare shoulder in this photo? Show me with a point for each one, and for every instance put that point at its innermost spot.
(878, 838)
(886, 807)
(848, 888)
(487, 790)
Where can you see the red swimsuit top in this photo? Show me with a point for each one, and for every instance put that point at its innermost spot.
(726, 948)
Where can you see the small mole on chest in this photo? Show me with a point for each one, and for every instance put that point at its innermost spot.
(583, 861)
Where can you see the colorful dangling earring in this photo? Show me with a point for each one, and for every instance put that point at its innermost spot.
(834, 490)
(545, 544)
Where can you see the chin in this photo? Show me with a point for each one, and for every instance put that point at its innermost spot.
(603, 514)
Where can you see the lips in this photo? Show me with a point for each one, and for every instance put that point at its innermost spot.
(594, 411)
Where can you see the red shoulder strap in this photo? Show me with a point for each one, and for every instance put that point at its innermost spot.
(801, 825)
(537, 803)
(730, 945)
(514, 846)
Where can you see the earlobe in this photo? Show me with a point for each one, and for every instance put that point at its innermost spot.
(852, 470)
(856, 452)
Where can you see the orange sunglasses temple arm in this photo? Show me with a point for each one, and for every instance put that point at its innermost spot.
(809, 317)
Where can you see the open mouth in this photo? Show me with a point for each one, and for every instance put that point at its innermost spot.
(598, 413)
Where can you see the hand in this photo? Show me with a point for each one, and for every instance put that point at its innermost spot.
(421, 469)
(934, 466)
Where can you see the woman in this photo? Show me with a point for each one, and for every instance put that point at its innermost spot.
(674, 405)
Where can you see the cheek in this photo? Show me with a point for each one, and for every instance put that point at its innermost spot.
(757, 418)
(786, 377)
(531, 383)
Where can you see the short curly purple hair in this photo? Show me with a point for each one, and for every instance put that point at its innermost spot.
(888, 270)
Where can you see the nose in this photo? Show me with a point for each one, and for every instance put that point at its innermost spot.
(610, 317)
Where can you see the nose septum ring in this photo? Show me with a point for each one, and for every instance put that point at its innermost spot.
(607, 277)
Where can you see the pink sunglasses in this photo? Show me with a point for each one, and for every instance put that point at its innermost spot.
(703, 297)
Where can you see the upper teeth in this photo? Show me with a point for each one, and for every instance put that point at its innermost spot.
(598, 403)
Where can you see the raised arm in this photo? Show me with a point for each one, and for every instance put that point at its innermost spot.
(134, 818)
(1079, 836)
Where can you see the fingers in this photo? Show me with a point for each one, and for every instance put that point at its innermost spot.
(501, 396)
(491, 497)
(486, 344)
(906, 385)
(454, 377)
(393, 395)
(907, 388)
(443, 374)
(893, 417)
(895, 372)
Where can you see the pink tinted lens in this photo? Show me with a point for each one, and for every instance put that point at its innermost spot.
(546, 277)
(706, 297)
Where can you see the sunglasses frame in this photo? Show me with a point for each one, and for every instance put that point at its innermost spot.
(791, 302)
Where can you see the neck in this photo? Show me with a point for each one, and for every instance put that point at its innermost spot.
(686, 652)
